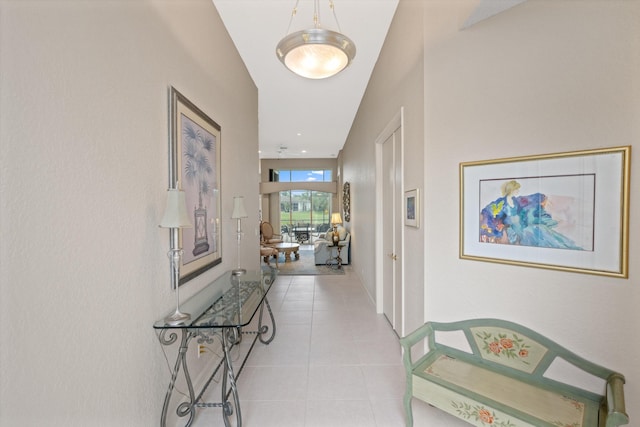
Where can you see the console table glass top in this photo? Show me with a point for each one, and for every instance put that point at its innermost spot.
(229, 301)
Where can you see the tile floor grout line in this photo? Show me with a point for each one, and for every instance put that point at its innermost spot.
(306, 397)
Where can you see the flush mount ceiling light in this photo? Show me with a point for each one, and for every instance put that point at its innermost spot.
(316, 53)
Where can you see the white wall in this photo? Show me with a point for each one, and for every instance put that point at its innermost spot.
(83, 178)
(397, 81)
(542, 77)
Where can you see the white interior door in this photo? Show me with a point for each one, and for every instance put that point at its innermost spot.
(392, 221)
(388, 244)
(398, 225)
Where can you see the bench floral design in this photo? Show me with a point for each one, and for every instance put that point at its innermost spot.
(487, 417)
(480, 413)
(501, 345)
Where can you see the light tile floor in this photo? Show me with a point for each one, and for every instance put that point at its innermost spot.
(333, 362)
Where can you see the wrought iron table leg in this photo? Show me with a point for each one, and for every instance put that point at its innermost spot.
(263, 329)
(338, 261)
(185, 408)
(228, 374)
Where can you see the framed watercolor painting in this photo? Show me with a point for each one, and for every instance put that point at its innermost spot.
(194, 166)
(564, 211)
(412, 208)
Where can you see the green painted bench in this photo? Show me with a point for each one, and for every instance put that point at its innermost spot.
(497, 373)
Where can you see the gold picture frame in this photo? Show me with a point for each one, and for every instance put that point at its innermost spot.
(563, 211)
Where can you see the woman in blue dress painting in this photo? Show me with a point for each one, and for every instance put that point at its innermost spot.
(521, 220)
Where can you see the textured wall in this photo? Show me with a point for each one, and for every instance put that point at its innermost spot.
(83, 178)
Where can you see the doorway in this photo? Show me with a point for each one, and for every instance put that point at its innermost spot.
(389, 220)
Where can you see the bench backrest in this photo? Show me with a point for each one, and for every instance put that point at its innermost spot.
(507, 347)
(517, 350)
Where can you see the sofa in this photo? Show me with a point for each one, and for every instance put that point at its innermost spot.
(322, 246)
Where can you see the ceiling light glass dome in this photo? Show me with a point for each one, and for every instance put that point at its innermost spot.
(316, 53)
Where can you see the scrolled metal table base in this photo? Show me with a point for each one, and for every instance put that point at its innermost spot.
(229, 337)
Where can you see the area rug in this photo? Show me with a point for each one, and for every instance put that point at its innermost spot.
(305, 266)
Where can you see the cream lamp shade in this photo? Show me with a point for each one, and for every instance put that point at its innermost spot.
(336, 218)
(175, 213)
(238, 208)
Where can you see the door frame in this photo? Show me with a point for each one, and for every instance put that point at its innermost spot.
(396, 122)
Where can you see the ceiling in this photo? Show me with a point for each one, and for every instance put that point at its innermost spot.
(302, 118)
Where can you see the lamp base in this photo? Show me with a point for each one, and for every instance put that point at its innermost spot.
(238, 271)
(177, 318)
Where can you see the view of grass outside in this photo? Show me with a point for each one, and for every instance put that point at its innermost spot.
(301, 208)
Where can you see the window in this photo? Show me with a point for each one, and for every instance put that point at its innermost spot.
(303, 175)
(307, 209)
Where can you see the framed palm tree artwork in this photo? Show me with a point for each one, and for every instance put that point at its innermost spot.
(194, 167)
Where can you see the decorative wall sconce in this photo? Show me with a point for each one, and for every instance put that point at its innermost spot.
(346, 201)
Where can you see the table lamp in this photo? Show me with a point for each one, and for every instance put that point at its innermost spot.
(335, 220)
(176, 217)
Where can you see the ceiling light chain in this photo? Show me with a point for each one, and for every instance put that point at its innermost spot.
(316, 14)
(333, 9)
(294, 12)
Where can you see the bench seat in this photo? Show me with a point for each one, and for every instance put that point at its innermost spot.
(501, 379)
(465, 389)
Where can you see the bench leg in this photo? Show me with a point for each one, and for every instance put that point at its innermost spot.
(407, 409)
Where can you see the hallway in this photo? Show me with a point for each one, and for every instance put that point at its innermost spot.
(334, 362)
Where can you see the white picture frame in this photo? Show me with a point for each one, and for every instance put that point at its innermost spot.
(412, 208)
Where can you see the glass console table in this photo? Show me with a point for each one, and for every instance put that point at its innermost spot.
(221, 311)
